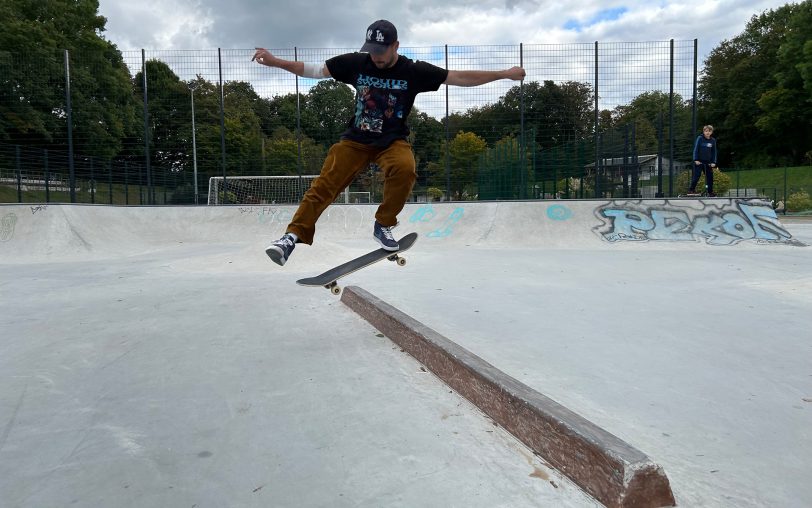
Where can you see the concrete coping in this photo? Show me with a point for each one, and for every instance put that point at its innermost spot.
(611, 470)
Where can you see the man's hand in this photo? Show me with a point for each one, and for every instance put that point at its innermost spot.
(516, 73)
(263, 56)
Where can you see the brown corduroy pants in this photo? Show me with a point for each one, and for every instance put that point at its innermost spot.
(346, 159)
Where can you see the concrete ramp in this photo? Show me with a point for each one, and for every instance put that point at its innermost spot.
(65, 232)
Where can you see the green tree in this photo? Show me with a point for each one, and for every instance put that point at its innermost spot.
(464, 153)
(282, 111)
(282, 157)
(644, 112)
(500, 171)
(426, 136)
(559, 113)
(787, 107)
(750, 89)
(33, 107)
(327, 106)
(169, 116)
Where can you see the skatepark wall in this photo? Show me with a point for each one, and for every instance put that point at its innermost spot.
(64, 232)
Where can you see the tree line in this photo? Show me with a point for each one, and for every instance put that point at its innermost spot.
(756, 89)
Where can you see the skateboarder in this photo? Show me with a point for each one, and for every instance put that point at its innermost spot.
(704, 159)
(386, 84)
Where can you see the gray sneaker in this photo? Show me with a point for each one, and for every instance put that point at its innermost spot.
(279, 251)
(384, 237)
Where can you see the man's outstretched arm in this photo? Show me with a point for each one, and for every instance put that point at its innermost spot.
(307, 70)
(476, 78)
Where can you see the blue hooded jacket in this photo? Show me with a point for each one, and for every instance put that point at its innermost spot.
(705, 149)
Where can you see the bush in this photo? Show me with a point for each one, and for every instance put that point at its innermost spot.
(799, 202)
(434, 193)
(721, 182)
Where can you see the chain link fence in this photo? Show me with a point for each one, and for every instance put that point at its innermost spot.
(590, 120)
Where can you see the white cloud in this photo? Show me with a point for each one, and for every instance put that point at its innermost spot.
(243, 24)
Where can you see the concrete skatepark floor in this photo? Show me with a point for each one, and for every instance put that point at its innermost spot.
(155, 357)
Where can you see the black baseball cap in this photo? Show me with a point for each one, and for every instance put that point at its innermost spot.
(380, 35)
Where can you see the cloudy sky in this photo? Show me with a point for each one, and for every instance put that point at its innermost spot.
(244, 24)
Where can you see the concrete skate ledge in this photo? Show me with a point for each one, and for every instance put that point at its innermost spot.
(608, 468)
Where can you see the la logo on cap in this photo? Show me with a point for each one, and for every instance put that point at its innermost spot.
(379, 36)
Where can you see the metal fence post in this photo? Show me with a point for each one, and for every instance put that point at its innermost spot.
(522, 150)
(71, 168)
(447, 138)
(693, 101)
(660, 154)
(47, 177)
(597, 126)
(222, 125)
(671, 123)
(19, 174)
(110, 181)
(299, 164)
(146, 123)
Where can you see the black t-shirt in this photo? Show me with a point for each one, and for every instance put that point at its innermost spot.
(383, 97)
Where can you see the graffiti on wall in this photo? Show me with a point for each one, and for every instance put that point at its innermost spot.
(725, 223)
(559, 213)
(426, 213)
(7, 227)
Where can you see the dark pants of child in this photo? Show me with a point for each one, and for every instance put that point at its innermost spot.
(344, 161)
(698, 169)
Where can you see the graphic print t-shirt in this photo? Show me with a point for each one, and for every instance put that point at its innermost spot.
(383, 97)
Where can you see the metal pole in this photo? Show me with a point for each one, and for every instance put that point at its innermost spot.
(146, 120)
(194, 141)
(523, 150)
(71, 169)
(597, 119)
(92, 184)
(447, 137)
(47, 178)
(222, 126)
(693, 112)
(671, 126)
(298, 121)
(19, 175)
(660, 154)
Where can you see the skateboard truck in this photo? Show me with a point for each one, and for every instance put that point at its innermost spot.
(334, 288)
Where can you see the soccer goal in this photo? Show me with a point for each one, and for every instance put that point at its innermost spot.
(259, 190)
(271, 190)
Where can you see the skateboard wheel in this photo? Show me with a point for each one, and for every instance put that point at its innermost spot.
(335, 290)
(401, 261)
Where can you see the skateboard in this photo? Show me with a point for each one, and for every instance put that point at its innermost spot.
(329, 278)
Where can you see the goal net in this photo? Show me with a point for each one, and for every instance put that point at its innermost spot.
(270, 190)
(259, 190)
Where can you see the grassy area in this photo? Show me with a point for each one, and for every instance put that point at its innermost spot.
(797, 178)
(133, 195)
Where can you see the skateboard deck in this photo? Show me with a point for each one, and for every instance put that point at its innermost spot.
(329, 278)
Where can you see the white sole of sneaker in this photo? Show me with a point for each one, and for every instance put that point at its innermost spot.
(276, 255)
(384, 247)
